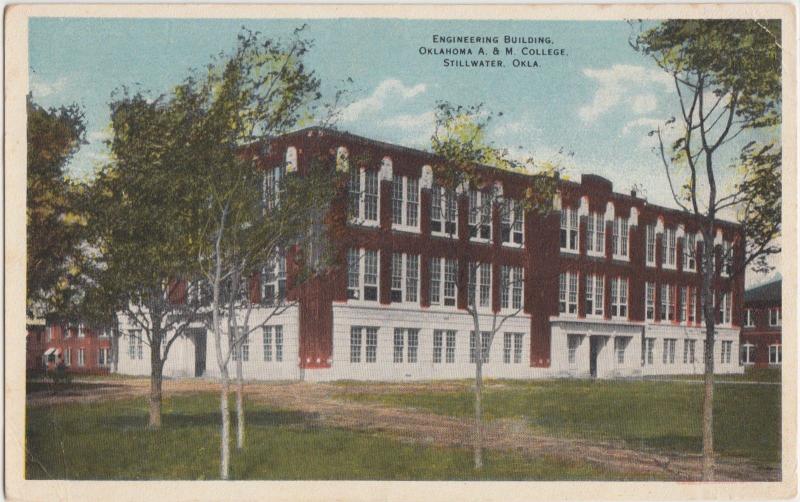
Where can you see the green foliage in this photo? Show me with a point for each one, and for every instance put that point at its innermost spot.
(54, 224)
(108, 440)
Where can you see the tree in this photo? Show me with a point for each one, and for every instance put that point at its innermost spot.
(727, 77)
(469, 165)
(54, 227)
(247, 215)
(140, 228)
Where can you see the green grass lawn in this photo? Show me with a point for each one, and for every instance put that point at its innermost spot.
(110, 441)
(645, 414)
(751, 374)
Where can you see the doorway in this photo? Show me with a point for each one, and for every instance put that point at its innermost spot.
(199, 336)
(595, 345)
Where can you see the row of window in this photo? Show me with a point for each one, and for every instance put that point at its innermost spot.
(595, 234)
(406, 342)
(364, 204)
(669, 349)
(67, 333)
(594, 298)
(774, 317)
(103, 357)
(748, 353)
(271, 338)
(363, 277)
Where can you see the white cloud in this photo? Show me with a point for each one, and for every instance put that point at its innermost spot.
(641, 123)
(41, 88)
(621, 81)
(644, 103)
(389, 88)
(412, 129)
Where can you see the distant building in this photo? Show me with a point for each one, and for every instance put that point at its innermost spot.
(35, 345)
(761, 329)
(83, 350)
(604, 285)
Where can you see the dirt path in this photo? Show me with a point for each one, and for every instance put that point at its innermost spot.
(320, 401)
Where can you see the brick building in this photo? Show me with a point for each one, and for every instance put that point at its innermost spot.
(35, 345)
(761, 329)
(82, 349)
(606, 284)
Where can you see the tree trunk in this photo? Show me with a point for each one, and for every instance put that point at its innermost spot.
(708, 424)
(225, 428)
(478, 445)
(239, 404)
(156, 376)
(708, 356)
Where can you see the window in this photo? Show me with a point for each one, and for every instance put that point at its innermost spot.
(689, 252)
(725, 354)
(569, 230)
(356, 344)
(511, 287)
(512, 223)
(512, 342)
(668, 248)
(440, 337)
(727, 259)
(749, 318)
(242, 344)
(81, 331)
(49, 333)
(368, 274)
(775, 316)
(406, 341)
(405, 278)
(480, 215)
(691, 305)
(444, 209)
(594, 295)
(650, 301)
(619, 298)
(775, 354)
(480, 284)
(68, 357)
(620, 344)
(273, 343)
(747, 353)
(595, 234)
(443, 281)
(568, 293)
(651, 246)
(135, 349)
(450, 353)
(688, 351)
(273, 281)
(104, 357)
(668, 357)
(620, 238)
(726, 309)
(363, 196)
(405, 202)
(573, 342)
(81, 357)
(485, 339)
(272, 187)
(667, 303)
(647, 351)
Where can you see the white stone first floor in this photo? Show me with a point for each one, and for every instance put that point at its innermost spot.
(390, 343)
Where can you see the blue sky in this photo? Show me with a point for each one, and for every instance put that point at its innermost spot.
(599, 101)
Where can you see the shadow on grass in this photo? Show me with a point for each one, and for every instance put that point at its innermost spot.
(72, 388)
(178, 420)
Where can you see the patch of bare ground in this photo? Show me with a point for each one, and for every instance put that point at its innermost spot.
(318, 400)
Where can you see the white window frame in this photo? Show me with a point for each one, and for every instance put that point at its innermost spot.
(512, 287)
(479, 285)
(650, 301)
(444, 346)
(621, 239)
(68, 357)
(568, 294)
(408, 282)
(727, 259)
(273, 275)
(81, 357)
(81, 331)
(596, 234)
(574, 342)
(747, 353)
(478, 210)
(570, 231)
(620, 346)
(512, 348)
(595, 289)
(512, 224)
(650, 246)
(135, 344)
(405, 346)
(359, 267)
(439, 268)
(668, 249)
(775, 354)
(272, 187)
(776, 319)
(361, 192)
(648, 350)
(272, 343)
(726, 309)
(367, 346)
(749, 318)
(669, 313)
(409, 209)
(689, 252)
(668, 356)
(445, 203)
(485, 347)
(619, 297)
(726, 349)
(688, 351)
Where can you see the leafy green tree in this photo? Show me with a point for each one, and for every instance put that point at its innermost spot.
(467, 163)
(727, 76)
(54, 226)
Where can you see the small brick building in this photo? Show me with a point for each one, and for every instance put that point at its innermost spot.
(83, 350)
(761, 330)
